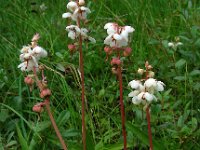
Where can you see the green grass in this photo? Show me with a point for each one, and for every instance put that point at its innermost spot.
(175, 117)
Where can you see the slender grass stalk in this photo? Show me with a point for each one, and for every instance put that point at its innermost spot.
(81, 65)
(46, 103)
(122, 106)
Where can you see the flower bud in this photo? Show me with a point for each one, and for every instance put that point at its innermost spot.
(28, 80)
(140, 71)
(151, 74)
(115, 61)
(81, 2)
(37, 108)
(114, 70)
(127, 51)
(149, 67)
(45, 92)
(108, 50)
(72, 47)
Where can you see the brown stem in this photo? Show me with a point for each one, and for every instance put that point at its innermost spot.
(149, 128)
(122, 106)
(81, 62)
(54, 124)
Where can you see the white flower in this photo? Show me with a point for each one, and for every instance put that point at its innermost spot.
(74, 31)
(134, 84)
(31, 57)
(66, 15)
(72, 6)
(174, 45)
(150, 83)
(117, 36)
(145, 93)
(160, 86)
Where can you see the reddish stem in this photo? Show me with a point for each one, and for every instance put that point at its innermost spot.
(54, 124)
(81, 62)
(149, 128)
(122, 106)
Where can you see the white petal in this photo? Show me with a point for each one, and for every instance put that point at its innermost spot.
(136, 101)
(129, 29)
(117, 37)
(87, 10)
(72, 5)
(149, 97)
(66, 15)
(72, 35)
(134, 84)
(141, 96)
(160, 86)
(107, 25)
(133, 93)
(150, 83)
(170, 44)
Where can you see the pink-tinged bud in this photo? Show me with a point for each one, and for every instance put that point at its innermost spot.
(45, 93)
(81, 2)
(114, 70)
(37, 108)
(127, 51)
(28, 80)
(108, 50)
(115, 61)
(72, 47)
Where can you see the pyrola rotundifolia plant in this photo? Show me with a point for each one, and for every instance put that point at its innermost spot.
(30, 56)
(144, 92)
(77, 12)
(117, 43)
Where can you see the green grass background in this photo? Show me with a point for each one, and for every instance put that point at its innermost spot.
(174, 118)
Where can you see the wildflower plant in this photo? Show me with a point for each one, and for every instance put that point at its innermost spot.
(30, 56)
(117, 43)
(77, 12)
(144, 92)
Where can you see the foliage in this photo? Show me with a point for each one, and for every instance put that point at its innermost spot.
(175, 117)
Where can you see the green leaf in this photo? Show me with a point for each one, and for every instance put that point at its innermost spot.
(194, 123)
(143, 136)
(180, 122)
(63, 117)
(179, 78)
(180, 63)
(22, 140)
(89, 141)
(194, 73)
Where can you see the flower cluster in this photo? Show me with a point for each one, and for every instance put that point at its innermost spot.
(117, 35)
(31, 54)
(77, 12)
(117, 41)
(144, 93)
(175, 44)
(144, 90)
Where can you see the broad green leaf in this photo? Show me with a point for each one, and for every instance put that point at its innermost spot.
(194, 123)
(180, 63)
(143, 136)
(180, 122)
(179, 78)
(194, 73)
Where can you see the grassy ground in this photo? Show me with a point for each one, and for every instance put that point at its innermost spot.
(175, 117)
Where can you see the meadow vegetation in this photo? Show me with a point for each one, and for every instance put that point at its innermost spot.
(174, 117)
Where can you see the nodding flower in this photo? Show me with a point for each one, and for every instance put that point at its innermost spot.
(117, 35)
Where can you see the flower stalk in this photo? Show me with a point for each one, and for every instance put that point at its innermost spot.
(30, 56)
(144, 93)
(78, 12)
(122, 106)
(117, 43)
